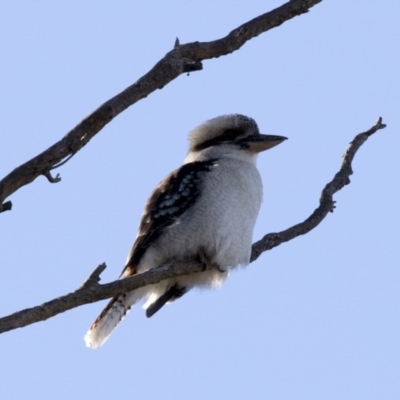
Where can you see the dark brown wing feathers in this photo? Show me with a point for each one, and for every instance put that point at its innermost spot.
(168, 202)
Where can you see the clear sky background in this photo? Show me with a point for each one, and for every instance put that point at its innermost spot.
(316, 318)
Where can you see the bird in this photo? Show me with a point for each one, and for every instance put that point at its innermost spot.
(202, 212)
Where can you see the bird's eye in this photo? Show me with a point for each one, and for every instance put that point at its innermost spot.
(231, 134)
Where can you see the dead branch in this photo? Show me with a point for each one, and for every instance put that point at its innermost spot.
(182, 59)
(91, 291)
(326, 203)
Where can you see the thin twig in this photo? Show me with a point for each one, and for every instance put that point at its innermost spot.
(51, 178)
(94, 277)
(62, 162)
(326, 203)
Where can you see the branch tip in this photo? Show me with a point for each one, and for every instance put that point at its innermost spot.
(7, 206)
(50, 178)
(94, 277)
(176, 44)
(378, 125)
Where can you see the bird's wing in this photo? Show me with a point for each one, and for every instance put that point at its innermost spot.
(169, 201)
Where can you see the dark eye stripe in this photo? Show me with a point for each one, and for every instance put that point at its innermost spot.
(227, 136)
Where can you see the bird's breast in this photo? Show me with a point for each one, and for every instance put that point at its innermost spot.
(222, 220)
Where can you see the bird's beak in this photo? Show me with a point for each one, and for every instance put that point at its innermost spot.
(259, 143)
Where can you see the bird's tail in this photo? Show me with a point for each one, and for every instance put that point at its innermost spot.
(110, 317)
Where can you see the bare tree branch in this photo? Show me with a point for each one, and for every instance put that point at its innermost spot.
(91, 291)
(326, 203)
(182, 59)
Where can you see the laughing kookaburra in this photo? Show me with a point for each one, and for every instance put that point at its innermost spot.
(204, 211)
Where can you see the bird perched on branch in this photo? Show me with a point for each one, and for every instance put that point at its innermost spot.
(204, 211)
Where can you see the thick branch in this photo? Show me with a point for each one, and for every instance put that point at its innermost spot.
(182, 59)
(91, 291)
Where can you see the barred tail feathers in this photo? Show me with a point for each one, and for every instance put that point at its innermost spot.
(110, 317)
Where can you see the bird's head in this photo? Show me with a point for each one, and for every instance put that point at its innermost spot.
(234, 131)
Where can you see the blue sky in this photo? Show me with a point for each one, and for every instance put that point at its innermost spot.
(316, 318)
